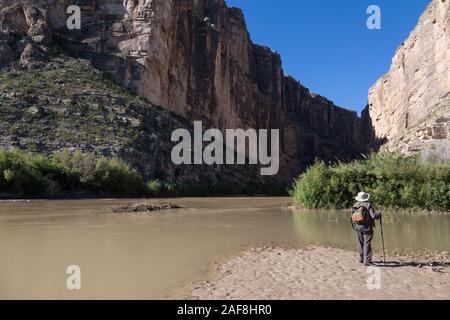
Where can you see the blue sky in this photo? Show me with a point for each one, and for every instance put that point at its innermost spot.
(326, 45)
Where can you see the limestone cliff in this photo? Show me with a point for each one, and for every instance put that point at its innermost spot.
(192, 57)
(409, 107)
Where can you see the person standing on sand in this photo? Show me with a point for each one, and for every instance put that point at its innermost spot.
(364, 226)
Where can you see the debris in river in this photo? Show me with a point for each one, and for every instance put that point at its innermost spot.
(145, 208)
(437, 269)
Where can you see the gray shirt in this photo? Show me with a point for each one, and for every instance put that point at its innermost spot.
(370, 221)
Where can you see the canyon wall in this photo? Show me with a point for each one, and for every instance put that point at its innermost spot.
(409, 107)
(196, 59)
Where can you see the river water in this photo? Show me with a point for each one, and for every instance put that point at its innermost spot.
(128, 256)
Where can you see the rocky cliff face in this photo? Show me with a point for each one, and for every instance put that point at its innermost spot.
(409, 107)
(192, 57)
(66, 104)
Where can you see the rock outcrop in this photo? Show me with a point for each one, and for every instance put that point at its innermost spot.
(24, 33)
(409, 107)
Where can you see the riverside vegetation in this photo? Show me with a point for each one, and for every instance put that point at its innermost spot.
(392, 181)
(28, 174)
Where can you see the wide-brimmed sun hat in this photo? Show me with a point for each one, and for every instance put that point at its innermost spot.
(362, 197)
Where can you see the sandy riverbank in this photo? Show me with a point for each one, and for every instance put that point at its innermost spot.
(322, 273)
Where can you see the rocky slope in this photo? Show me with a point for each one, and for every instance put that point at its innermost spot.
(66, 104)
(409, 107)
(194, 58)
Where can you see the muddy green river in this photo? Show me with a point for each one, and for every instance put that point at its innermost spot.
(154, 256)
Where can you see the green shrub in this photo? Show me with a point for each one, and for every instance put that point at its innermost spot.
(114, 177)
(392, 181)
(24, 173)
(28, 174)
(154, 188)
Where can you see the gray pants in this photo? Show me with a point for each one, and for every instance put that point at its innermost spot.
(364, 242)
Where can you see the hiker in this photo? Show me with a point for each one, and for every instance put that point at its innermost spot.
(363, 221)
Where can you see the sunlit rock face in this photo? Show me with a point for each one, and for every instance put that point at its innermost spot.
(196, 59)
(410, 105)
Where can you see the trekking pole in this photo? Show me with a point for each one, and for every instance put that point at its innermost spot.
(382, 239)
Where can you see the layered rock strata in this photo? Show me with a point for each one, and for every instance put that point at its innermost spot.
(409, 107)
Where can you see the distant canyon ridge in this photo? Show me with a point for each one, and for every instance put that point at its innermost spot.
(196, 59)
